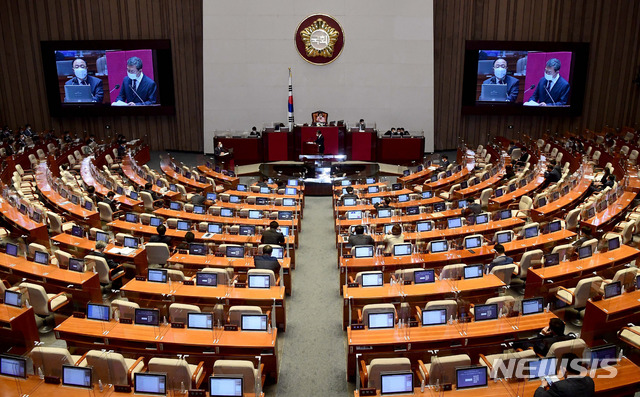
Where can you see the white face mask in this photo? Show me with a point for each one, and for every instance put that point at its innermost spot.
(132, 76)
(548, 77)
(80, 73)
(500, 72)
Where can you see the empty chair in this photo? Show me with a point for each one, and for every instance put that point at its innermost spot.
(528, 259)
(405, 274)
(484, 197)
(41, 154)
(180, 374)
(442, 369)
(449, 195)
(375, 308)
(624, 232)
(157, 254)
(178, 312)
(222, 275)
(451, 305)
(523, 207)
(45, 305)
(497, 371)
(113, 368)
(51, 359)
(108, 277)
(241, 367)
(572, 219)
(505, 272)
(625, 276)
(56, 224)
(222, 248)
(360, 275)
(577, 297)
(148, 202)
(63, 258)
(575, 346)
(106, 214)
(370, 374)
(33, 248)
(505, 304)
(593, 243)
(236, 312)
(455, 271)
(630, 335)
(123, 309)
(562, 251)
(175, 275)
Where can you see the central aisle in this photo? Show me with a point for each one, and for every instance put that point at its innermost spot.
(313, 348)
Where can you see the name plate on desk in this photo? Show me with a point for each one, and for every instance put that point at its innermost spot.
(197, 393)
(188, 282)
(63, 266)
(367, 391)
(348, 257)
(177, 325)
(219, 255)
(352, 285)
(122, 388)
(54, 380)
(241, 285)
(78, 314)
(408, 282)
(445, 386)
(141, 278)
(357, 327)
(230, 327)
(124, 320)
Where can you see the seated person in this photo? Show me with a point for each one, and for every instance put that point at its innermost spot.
(160, 237)
(500, 258)
(608, 180)
(148, 187)
(198, 199)
(552, 175)
(390, 132)
(392, 238)
(360, 238)
(386, 203)
(552, 333)
(272, 235)
(349, 194)
(82, 78)
(361, 125)
(444, 163)
(520, 162)
(254, 132)
(576, 383)
(263, 182)
(508, 173)
(266, 261)
(110, 199)
(99, 252)
(189, 238)
(91, 193)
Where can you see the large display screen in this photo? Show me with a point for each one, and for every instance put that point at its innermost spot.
(123, 77)
(524, 77)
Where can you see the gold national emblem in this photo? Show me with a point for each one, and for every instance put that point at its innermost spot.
(319, 39)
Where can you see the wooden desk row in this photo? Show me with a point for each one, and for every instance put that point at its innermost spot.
(84, 287)
(625, 383)
(613, 212)
(474, 291)
(511, 197)
(189, 184)
(35, 231)
(149, 341)
(544, 281)
(479, 187)
(18, 330)
(603, 318)
(88, 179)
(130, 173)
(415, 342)
(229, 182)
(565, 202)
(264, 222)
(341, 209)
(144, 292)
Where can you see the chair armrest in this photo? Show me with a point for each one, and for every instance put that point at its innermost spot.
(6, 284)
(364, 376)
(195, 383)
(483, 358)
(130, 370)
(424, 370)
(54, 297)
(573, 297)
(84, 356)
(360, 315)
(115, 271)
(632, 331)
(418, 313)
(351, 280)
(514, 205)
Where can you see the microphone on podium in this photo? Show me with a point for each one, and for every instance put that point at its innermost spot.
(114, 88)
(134, 91)
(530, 88)
(550, 97)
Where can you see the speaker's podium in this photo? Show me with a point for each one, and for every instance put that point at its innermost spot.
(310, 148)
(225, 159)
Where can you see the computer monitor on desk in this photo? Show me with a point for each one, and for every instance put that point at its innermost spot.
(206, 279)
(102, 236)
(503, 237)
(13, 366)
(532, 306)
(381, 320)
(603, 356)
(157, 275)
(349, 202)
(372, 279)
(235, 252)
(396, 383)
(551, 259)
(612, 290)
(402, 249)
(225, 386)
(424, 276)
(542, 367)
(13, 298)
(197, 249)
(259, 281)
(453, 223)
(76, 376)
(147, 317)
(253, 322)
(434, 317)
(473, 271)
(155, 222)
(131, 242)
(363, 251)
(384, 213)
(12, 249)
(76, 265)
(485, 312)
(199, 320)
(150, 383)
(98, 312)
(41, 258)
(471, 377)
(439, 246)
(424, 226)
(584, 252)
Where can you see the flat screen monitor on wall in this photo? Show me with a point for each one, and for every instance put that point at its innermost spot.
(528, 78)
(108, 77)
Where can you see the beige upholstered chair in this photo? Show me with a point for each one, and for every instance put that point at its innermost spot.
(45, 305)
(442, 369)
(236, 312)
(157, 253)
(575, 346)
(450, 305)
(375, 308)
(180, 374)
(497, 372)
(124, 309)
(455, 271)
(577, 297)
(51, 359)
(505, 272)
(113, 368)
(241, 367)
(370, 374)
(178, 312)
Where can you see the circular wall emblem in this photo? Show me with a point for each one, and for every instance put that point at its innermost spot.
(319, 39)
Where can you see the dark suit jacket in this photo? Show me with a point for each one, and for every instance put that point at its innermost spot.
(361, 239)
(198, 199)
(112, 204)
(559, 92)
(110, 262)
(146, 91)
(320, 143)
(270, 236)
(160, 239)
(499, 261)
(96, 87)
(571, 387)
(153, 194)
(267, 262)
(512, 86)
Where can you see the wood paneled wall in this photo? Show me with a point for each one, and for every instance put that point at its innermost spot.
(610, 26)
(24, 23)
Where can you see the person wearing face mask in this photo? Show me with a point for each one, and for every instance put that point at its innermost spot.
(137, 88)
(552, 89)
(82, 78)
(500, 77)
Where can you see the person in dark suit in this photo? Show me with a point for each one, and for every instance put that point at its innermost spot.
(444, 163)
(266, 261)
(576, 384)
(198, 199)
(99, 252)
(272, 235)
(160, 237)
(500, 77)
(361, 125)
(360, 238)
(552, 333)
(500, 259)
(320, 142)
(551, 176)
(220, 150)
(385, 203)
(148, 187)
(110, 199)
(82, 78)
(552, 89)
(137, 88)
(349, 194)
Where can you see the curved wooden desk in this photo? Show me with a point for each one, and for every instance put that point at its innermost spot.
(101, 190)
(141, 182)
(189, 184)
(18, 330)
(35, 231)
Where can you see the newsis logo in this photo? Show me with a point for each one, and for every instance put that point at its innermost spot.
(530, 368)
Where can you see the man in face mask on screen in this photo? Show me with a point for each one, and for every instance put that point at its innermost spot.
(552, 89)
(500, 77)
(137, 88)
(82, 78)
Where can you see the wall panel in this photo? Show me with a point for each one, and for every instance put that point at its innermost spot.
(22, 90)
(609, 25)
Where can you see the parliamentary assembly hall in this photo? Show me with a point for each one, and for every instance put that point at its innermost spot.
(430, 198)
